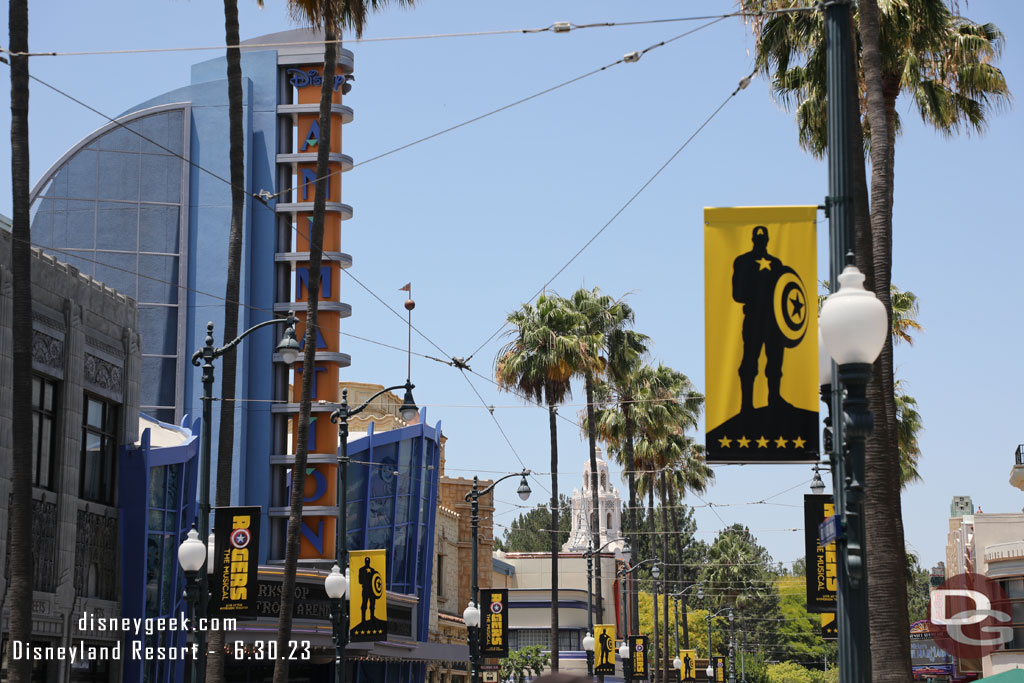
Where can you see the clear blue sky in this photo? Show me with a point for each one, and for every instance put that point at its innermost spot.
(479, 218)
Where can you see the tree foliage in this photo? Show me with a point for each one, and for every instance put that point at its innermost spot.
(529, 532)
(528, 661)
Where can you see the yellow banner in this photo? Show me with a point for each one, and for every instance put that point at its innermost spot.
(368, 609)
(604, 649)
(688, 673)
(761, 341)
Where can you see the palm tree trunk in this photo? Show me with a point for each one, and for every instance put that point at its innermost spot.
(634, 625)
(595, 508)
(654, 584)
(20, 544)
(664, 558)
(680, 570)
(887, 596)
(316, 240)
(229, 362)
(553, 426)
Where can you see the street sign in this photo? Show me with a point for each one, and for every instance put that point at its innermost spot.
(830, 530)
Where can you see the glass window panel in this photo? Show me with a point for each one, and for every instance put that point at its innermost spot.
(45, 453)
(398, 568)
(162, 277)
(94, 416)
(1014, 587)
(153, 564)
(169, 560)
(380, 538)
(59, 185)
(109, 475)
(357, 481)
(153, 127)
(42, 227)
(380, 513)
(121, 139)
(156, 520)
(402, 510)
(119, 176)
(91, 473)
(160, 179)
(1018, 640)
(158, 381)
(159, 325)
(82, 170)
(175, 131)
(35, 443)
(1018, 612)
(118, 272)
(157, 482)
(158, 228)
(117, 226)
(48, 393)
(37, 391)
(78, 230)
(173, 478)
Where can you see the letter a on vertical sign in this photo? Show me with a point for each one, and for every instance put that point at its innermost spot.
(822, 571)
(604, 649)
(368, 610)
(637, 662)
(236, 552)
(761, 340)
(494, 634)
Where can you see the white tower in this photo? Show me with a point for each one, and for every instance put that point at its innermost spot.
(609, 511)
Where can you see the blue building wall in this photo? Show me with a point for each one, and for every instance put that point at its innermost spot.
(157, 503)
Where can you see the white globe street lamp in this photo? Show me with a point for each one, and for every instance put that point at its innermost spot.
(471, 615)
(588, 642)
(624, 651)
(192, 552)
(336, 584)
(853, 321)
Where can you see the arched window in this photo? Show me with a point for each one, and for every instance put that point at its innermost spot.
(604, 481)
(608, 524)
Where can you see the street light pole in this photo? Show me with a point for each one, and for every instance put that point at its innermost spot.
(204, 357)
(473, 497)
(339, 590)
(624, 553)
(732, 646)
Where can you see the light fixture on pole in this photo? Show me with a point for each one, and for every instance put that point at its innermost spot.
(339, 606)
(473, 498)
(588, 647)
(817, 485)
(624, 651)
(288, 350)
(191, 556)
(677, 663)
(854, 326)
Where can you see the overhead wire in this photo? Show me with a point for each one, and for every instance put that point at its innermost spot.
(556, 27)
(743, 83)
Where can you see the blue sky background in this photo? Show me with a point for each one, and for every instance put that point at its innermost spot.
(480, 218)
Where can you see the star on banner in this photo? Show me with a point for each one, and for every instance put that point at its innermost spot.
(743, 442)
(780, 442)
(763, 264)
(798, 442)
(762, 442)
(725, 442)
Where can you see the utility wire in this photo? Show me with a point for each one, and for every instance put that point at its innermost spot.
(744, 82)
(557, 27)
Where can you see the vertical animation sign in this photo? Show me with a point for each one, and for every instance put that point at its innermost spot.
(604, 649)
(368, 610)
(637, 662)
(760, 274)
(233, 586)
(822, 571)
(494, 634)
(688, 674)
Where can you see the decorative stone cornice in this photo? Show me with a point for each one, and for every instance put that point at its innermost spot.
(102, 374)
(47, 350)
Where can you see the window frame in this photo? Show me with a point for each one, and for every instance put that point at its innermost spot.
(107, 434)
(52, 414)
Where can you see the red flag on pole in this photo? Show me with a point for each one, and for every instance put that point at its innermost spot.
(407, 288)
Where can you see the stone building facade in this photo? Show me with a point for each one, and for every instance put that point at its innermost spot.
(86, 362)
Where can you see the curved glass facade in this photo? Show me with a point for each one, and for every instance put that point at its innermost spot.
(115, 208)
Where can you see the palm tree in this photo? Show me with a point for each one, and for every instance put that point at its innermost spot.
(330, 16)
(601, 315)
(539, 364)
(905, 309)
(945, 64)
(226, 429)
(909, 424)
(20, 545)
(616, 426)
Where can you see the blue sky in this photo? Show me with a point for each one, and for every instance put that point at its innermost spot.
(478, 219)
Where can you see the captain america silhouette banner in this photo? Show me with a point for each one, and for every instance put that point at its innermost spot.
(761, 341)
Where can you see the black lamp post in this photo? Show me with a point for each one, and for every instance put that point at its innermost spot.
(676, 597)
(336, 582)
(625, 553)
(191, 556)
(288, 348)
(471, 614)
(732, 644)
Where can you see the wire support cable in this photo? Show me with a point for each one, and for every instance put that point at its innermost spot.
(743, 83)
